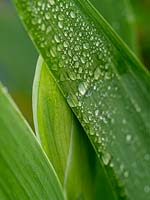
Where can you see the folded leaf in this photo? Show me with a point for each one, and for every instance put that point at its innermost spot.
(25, 172)
(53, 120)
(103, 82)
(65, 142)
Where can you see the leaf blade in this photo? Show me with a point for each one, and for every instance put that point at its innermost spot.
(65, 142)
(25, 172)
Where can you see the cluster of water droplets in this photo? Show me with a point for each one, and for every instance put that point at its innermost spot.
(80, 54)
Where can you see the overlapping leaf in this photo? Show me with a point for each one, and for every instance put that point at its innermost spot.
(65, 142)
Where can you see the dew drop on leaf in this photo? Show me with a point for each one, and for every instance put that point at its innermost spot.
(52, 2)
(72, 14)
(85, 46)
(60, 24)
(126, 174)
(128, 138)
(72, 100)
(82, 88)
(43, 27)
(47, 16)
(106, 157)
(56, 38)
(97, 73)
(147, 189)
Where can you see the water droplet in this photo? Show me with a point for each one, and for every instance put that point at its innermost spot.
(54, 67)
(124, 121)
(128, 138)
(72, 14)
(56, 38)
(65, 44)
(60, 17)
(48, 30)
(34, 21)
(97, 73)
(76, 48)
(60, 24)
(106, 157)
(76, 64)
(92, 132)
(61, 64)
(39, 21)
(53, 52)
(72, 100)
(86, 46)
(83, 60)
(43, 27)
(85, 118)
(80, 69)
(72, 76)
(47, 16)
(147, 189)
(82, 88)
(39, 3)
(96, 112)
(112, 164)
(75, 58)
(51, 2)
(59, 47)
(126, 174)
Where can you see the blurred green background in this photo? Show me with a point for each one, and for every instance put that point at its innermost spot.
(18, 56)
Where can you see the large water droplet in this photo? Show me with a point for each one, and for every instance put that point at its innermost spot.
(96, 112)
(106, 157)
(72, 100)
(56, 38)
(48, 30)
(47, 16)
(72, 14)
(52, 2)
(82, 88)
(128, 138)
(60, 24)
(60, 17)
(97, 73)
(53, 52)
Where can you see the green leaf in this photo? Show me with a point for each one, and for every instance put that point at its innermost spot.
(120, 16)
(104, 83)
(51, 116)
(25, 172)
(65, 142)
